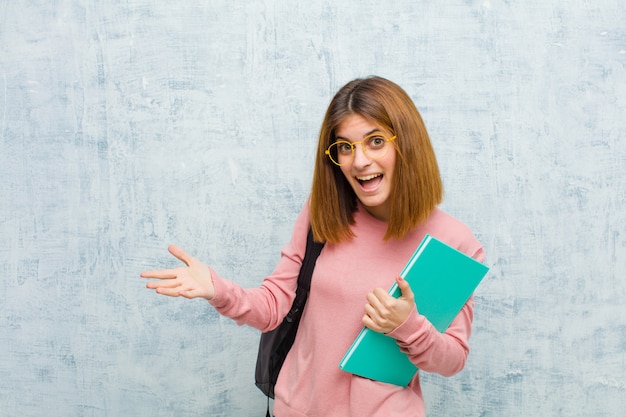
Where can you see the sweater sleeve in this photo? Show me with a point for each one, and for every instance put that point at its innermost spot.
(265, 307)
(431, 351)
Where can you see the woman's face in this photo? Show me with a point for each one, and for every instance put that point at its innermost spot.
(371, 179)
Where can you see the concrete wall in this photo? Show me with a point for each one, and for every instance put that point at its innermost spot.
(125, 126)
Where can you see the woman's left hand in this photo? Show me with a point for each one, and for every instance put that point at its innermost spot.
(384, 313)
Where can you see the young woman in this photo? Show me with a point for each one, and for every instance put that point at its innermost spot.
(376, 188)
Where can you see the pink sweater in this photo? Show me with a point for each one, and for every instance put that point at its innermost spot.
(310, 383)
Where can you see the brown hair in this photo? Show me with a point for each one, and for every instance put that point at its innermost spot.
(417, 187)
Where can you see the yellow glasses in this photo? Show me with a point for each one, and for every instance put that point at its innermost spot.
(374, 146)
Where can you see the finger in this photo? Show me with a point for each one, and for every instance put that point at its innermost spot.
(380, 318)
(407, 292)
(190, 293)
(377, 298)
(370, 324)
(170, 292)
(374, 307)
(180, 254)
(382, 295)
(162, 284)
(385, 301)
(160, 274)
(370, 312)
(377, 315)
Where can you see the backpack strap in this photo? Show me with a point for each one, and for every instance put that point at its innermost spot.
(311, 253)
(275, 344)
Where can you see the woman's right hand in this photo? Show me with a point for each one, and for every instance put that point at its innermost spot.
(191, 281)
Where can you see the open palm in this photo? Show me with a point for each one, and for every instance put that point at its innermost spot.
(191, 281)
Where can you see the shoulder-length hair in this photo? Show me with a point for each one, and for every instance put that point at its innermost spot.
(417, 186)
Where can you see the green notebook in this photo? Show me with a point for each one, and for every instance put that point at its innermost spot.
(442, 279)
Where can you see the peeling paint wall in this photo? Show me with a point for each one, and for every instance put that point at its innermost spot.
(125, 126)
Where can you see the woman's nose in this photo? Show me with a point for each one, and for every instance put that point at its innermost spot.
(360, 157)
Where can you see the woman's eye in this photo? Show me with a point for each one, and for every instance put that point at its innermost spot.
(344, 147)
(376, 142)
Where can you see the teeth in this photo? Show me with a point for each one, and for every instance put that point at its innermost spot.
(368, 177)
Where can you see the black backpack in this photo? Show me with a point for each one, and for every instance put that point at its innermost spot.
(275, 344)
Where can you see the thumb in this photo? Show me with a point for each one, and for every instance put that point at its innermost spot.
(180, 254)
(405, 288)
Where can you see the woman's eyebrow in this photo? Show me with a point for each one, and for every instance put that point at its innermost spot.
(371, 132)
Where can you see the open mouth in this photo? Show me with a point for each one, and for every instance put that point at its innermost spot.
(370, 182)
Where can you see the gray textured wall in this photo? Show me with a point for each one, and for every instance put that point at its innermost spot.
(126, 126)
